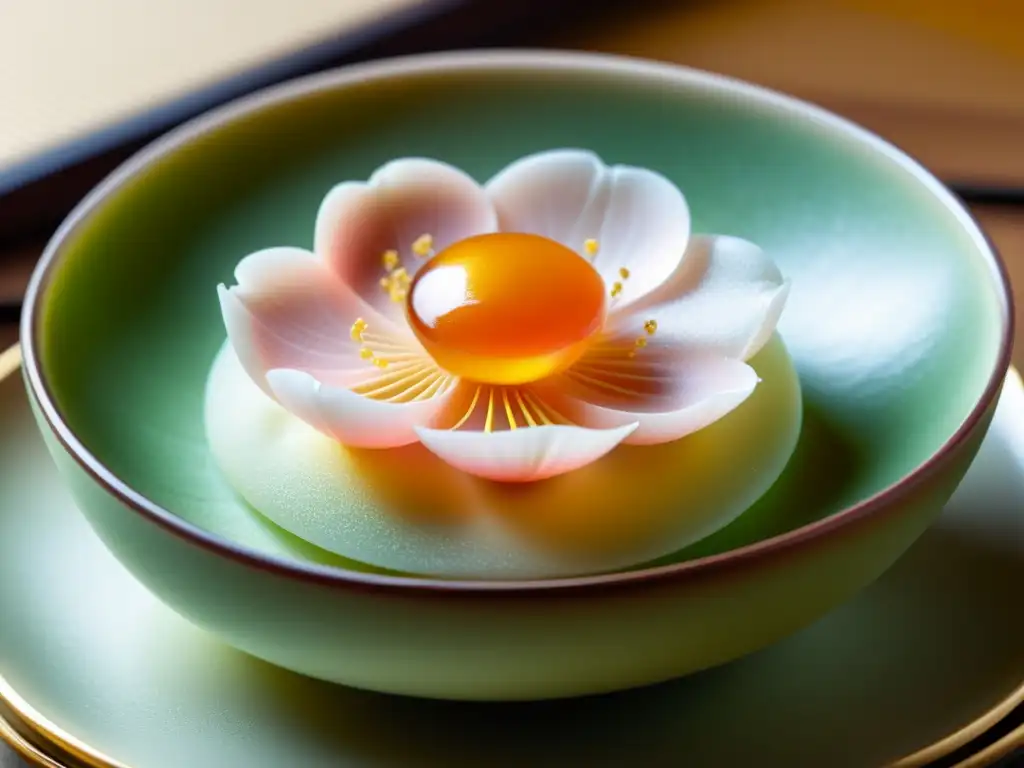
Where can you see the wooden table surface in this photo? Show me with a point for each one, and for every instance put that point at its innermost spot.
(942, 79)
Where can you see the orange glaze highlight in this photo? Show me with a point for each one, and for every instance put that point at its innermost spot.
(506, 308)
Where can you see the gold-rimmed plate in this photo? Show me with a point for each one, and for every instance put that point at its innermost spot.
(917, 666)
(22, 747)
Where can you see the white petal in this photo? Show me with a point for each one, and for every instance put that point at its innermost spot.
(289, 310)
(666, 391)
(242, 335)
(525, 454)
(403, 200)
(769, 319)
(351, 418)
(725, 298)
(549, 194)
(639, 218)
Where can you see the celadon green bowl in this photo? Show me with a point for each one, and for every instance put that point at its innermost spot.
(899, 324)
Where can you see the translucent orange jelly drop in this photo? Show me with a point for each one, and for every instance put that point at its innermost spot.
(506, 308)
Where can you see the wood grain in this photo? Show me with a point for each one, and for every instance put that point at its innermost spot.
(942, 79)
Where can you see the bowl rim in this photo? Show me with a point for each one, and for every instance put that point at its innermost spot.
(482, 61)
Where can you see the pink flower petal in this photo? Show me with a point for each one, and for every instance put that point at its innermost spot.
(511, 434)
(403, 200)
(290, 311)
(640, 220)
(664, 389)
(360, 421)
(525, 454)
(725, 298)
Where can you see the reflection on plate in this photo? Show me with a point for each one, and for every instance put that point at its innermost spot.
(920, 663)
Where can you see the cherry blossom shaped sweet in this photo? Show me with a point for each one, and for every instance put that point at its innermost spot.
(519, 330)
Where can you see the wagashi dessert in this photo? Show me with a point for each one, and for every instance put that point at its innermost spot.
(482, 344)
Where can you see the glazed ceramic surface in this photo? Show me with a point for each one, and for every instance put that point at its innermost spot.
(897, 323)
(930, 649)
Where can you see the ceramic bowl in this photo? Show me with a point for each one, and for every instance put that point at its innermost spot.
(899, 324)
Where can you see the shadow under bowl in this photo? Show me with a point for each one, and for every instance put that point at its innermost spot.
(899, 324)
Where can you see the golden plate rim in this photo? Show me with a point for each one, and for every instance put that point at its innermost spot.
(24, 747)
(48, 732)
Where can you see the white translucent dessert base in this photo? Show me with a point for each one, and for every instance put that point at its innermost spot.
(404, 509)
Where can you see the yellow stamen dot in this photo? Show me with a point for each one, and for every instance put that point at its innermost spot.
(624, 273)
(641, 342)
(357, 329)
(651, 326)
(380, 363)
(389, 259)
(396, 284)
(366, 354)
(591, 246)
(616, 289)
(423, 246)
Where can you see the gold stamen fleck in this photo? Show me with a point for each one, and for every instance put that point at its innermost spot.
(641, 342)
(469, 411)
(540, 405)
(624, 273)
(616, 288)
(357, 329)
(545, 419)
(401, 278)
(526, 412)
(396, 284)
(489, 419)
(389, 259)
(423, 246)
(591, 246)
(366, 354)
(380, 362)
(508, 410)
(651, 326)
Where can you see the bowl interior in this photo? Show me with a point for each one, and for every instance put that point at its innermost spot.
(894, 320)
